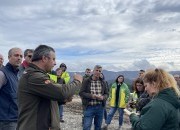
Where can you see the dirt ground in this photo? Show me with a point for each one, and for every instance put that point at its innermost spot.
(73, 117)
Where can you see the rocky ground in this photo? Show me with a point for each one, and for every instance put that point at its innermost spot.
(73, 117)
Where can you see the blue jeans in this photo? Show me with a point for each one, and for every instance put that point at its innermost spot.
(111, 114)
(105, 114)
(90, 113)
(8, 125)
(61, 111)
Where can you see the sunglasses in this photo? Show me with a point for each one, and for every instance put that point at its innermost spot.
(30, 56)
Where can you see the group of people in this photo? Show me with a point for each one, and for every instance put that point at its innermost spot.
(32, 95)
(60, 76)
(155, 91)
(30, 101)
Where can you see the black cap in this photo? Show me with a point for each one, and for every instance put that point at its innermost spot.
(63, 65)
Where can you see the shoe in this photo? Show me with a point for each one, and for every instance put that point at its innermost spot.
(119, 128)
(105, 127)
(62, 121)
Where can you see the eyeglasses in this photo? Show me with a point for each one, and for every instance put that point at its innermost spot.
(30, 56)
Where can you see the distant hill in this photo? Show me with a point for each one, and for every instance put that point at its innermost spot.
(129, 76)
(111, 75)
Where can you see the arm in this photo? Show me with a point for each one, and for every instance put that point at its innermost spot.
(40, 85)
(149, 121)
(106, 91)
(127, 94)
(2, 79)
(142, 101)
(84, 91)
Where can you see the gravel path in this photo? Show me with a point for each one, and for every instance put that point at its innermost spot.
(73, 117)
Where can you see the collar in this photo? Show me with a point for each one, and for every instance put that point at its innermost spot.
(25, 64)
(12, 68)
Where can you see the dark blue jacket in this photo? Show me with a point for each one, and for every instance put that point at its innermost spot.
(8, 95)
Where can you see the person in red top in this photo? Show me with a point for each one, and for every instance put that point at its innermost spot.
(27, 59)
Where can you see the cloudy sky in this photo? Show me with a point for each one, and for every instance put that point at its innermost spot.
(117, 34)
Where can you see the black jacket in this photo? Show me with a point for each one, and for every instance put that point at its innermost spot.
(86, 94)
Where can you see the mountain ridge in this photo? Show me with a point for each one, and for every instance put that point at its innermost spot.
(111, 75)
(129, 76)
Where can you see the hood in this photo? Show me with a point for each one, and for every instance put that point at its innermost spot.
(170, 96)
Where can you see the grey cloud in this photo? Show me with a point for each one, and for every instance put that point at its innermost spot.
(117, 34)
(167, 6)
(143, 64)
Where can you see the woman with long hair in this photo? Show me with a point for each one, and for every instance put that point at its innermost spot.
(161, 113)
(118, 98)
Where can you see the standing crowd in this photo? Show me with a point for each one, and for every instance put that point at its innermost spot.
(32, 95)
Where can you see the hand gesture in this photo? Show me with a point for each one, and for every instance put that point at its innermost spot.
(69, 99)
(98, 97)
(78, 77)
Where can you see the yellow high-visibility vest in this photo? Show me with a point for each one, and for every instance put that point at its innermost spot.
(53, 77)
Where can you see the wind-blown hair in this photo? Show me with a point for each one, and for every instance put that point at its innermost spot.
(162, 79)
(140, 81)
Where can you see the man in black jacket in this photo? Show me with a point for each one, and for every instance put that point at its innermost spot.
(94, 94)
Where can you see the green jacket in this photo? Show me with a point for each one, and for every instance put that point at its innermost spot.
(160, 114)
(37, 100)
(124, 94)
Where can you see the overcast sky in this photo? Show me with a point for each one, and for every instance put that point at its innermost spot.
(117, 34)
